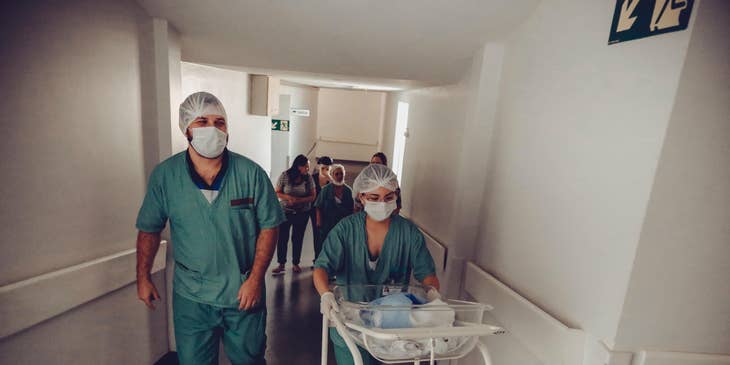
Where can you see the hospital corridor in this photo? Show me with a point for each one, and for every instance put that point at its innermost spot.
(365, 182)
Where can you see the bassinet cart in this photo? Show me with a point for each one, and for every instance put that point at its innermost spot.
(406, 333)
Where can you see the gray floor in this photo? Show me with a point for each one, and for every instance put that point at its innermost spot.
(294, 322)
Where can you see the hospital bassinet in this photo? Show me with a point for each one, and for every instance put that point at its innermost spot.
(440, 330)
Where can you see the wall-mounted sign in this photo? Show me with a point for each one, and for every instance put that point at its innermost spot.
(634, 19)
(280, 125)
(300, 112)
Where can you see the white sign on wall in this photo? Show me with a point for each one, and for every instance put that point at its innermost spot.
(300, 112)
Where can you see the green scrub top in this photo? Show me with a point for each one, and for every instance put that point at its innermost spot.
(214, 243)
(330, 211)
(345, 253)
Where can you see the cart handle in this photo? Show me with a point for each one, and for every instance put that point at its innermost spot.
(325, 339)
(342, 330)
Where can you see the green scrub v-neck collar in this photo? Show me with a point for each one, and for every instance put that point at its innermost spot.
(222, 175)
(378, 265)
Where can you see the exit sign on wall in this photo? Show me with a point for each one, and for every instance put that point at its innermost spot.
(280, 125)
(634, 19)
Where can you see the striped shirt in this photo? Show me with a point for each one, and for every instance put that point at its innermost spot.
(301, 190)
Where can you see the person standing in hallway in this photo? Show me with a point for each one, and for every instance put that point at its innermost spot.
(332, 205)
(224, 218)
(321, 178)
(373, 247)
(379, 158)
(296, 192)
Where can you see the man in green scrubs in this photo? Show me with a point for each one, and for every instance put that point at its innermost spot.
(224, 218)
(372, 247)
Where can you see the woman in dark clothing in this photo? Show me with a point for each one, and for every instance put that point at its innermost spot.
(379, 158)
(296, 192)
(321, 178)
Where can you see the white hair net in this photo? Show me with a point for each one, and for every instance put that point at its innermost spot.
(199, 104)
(336, 166)
(372, 177)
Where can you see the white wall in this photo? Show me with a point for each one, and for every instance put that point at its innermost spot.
(74, 164)
(679, 294)
(436, 120)
(280, 141)
(580, 126)
(303, 130)
(349, 125)
(249, 135)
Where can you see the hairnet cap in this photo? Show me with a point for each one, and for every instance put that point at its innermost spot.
(336, 166)
(199, 104)
(374, 176)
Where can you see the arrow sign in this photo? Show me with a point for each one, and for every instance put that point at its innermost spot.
(634, 19)
(625, 20)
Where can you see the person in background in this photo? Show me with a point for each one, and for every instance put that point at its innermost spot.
(373, 247)
(224, 219)
(334, 203)
(321, 178)
(296, 191)
(379, 158)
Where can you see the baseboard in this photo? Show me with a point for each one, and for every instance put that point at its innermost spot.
(667, 358)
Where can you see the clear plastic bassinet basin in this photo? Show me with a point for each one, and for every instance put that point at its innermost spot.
(439, 330)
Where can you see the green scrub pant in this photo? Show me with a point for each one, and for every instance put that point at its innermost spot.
(199, 328)
(343, 354)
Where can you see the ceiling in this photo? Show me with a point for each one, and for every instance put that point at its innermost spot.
(386, 43)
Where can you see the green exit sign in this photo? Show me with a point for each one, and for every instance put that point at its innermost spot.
(280, 125)
(634, 19)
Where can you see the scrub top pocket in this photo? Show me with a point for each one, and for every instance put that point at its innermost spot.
(244, 217)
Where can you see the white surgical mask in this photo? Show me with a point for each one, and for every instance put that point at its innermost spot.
(379, 211)
(209, 141)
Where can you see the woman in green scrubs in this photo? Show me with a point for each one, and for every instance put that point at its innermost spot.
(333, 203)
(372, 247)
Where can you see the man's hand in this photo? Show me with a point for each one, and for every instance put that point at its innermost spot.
(147, 245)
(249, 294)
(147, 292)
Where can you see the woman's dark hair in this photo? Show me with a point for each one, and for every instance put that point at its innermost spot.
(382, 157)
(324, 160)
(293, 171)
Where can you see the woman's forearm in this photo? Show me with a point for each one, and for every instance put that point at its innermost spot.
(321, 280)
